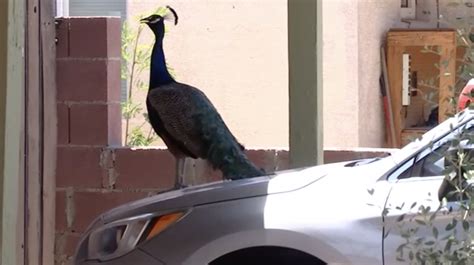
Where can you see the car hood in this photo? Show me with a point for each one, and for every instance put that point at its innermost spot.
(283, 181)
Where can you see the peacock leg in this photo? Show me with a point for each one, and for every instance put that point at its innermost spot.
(180, 168)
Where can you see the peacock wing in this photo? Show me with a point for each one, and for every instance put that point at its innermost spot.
(181, 110)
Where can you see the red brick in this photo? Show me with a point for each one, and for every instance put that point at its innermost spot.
(65, 247)
(59, 256)
(283, 160)
(334, 156)
(144, 168)
(82, 80)
(331, 156)
(89, 205)
(62, 35)
(204, 173)
(95, 37)
(79, 167)
(63, 123)
(114, 124)
(95, 124)
(114, 33)
(61, 222)
(114, 81)
(88, 80)
(263, 159)
(70, 244)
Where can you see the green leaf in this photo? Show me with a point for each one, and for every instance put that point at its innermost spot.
(420, 222)
(435, 232)
(401, 247)
(432, 217)
(401, 259)
(451, 225)
(401, 217)
(465, 225)
(430, 243)
(445, 63)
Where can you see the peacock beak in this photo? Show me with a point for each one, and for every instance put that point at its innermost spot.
(144, 20)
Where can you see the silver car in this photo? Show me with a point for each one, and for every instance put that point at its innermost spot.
(329, 214)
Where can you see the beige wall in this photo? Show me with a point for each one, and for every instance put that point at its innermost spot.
(375, 18)
(340, 76)
(353, 33)
(236, 52)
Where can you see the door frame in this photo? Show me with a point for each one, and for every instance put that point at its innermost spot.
(40, 127)
(27, 131)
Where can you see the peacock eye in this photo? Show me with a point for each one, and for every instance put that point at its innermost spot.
(155, 20)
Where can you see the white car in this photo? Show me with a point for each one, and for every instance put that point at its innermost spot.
(329, 214)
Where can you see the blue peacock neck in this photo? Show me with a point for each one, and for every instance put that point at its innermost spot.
(159, 74)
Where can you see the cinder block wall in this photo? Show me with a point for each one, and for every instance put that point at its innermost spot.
(95, 173)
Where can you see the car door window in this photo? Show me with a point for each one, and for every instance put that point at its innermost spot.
(432, 164)
(431, 161)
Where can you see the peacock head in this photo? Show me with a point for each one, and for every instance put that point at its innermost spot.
(156, 22)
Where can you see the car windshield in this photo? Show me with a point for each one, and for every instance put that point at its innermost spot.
(433, 135)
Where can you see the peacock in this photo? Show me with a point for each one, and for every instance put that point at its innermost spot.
(187, 121)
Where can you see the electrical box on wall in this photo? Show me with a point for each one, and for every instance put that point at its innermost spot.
(408, 9)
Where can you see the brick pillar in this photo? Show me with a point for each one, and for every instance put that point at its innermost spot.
(88, 81)
(89, 121)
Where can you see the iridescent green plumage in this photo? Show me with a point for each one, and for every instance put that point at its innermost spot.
(186, 119)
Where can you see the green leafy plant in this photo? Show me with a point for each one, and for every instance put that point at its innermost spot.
(425, 242)
(464, 62)
(135, 61)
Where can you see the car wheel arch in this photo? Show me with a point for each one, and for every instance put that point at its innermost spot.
(267, 255)
(264, 238)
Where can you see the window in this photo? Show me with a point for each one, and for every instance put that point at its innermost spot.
(432, 161)
(433, 164)
(98, 8)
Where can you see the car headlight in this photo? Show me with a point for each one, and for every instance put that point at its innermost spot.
(120, 237)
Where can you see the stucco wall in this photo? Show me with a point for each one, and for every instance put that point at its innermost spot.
(340, 76)
(236, 52)
(375, 18)
(353, 32)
